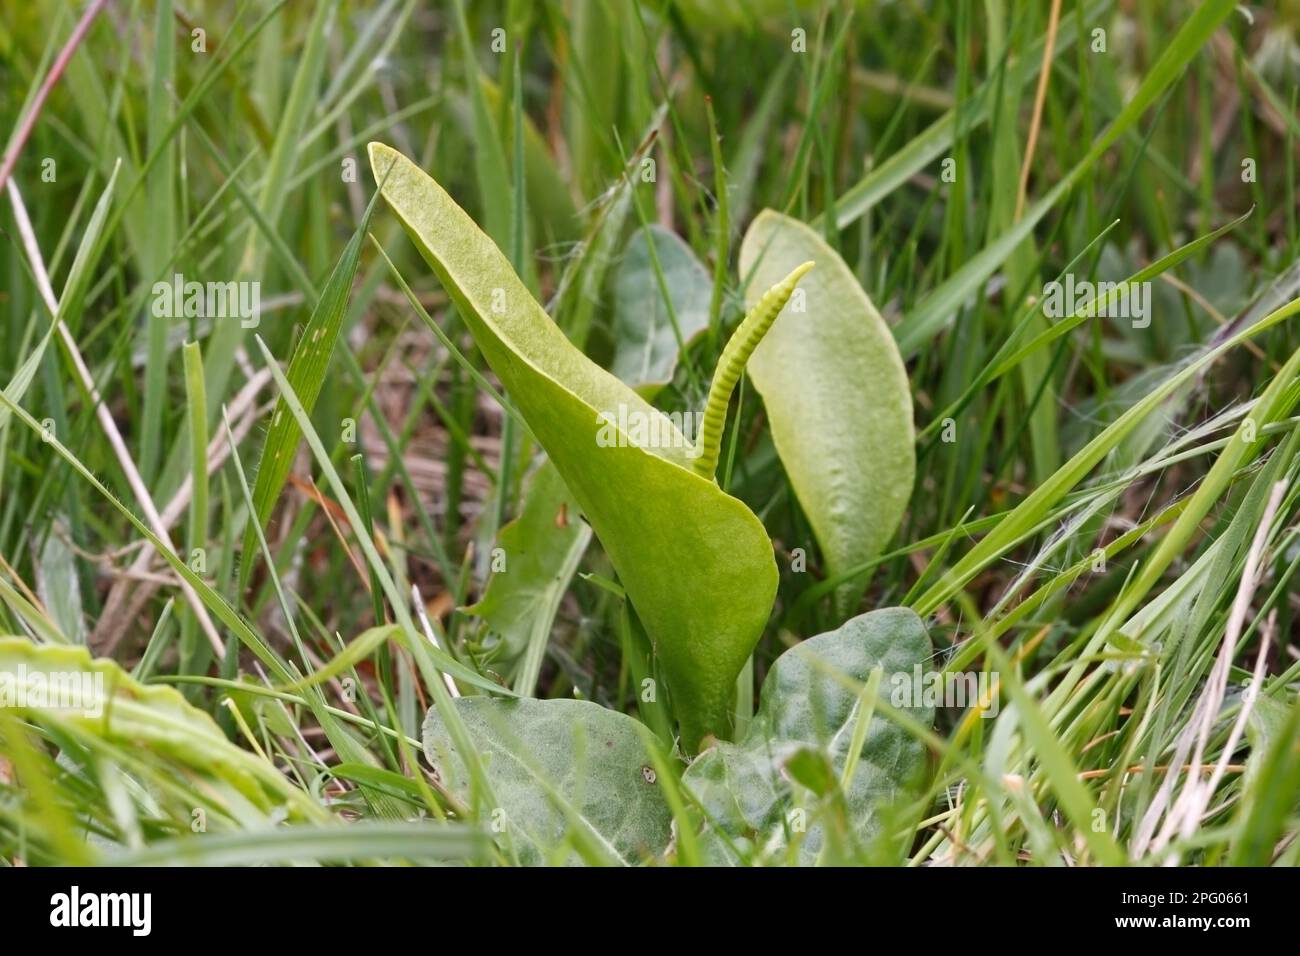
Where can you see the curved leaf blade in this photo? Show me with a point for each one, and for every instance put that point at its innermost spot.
(62, 686)
(696, 562)
(837, 397)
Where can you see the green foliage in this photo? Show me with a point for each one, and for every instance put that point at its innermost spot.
(307, 373)
(661, 303)
(540, 550)
(101, 706)
(777, 792)
(574, 780)
(811, 779)
(696, 563)
(1096, 511)
(837, 396)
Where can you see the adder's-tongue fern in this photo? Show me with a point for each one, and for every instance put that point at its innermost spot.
(739, 348)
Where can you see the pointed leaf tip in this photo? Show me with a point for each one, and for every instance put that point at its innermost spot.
(696, 563)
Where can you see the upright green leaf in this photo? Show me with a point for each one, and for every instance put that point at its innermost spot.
(594, 81)
(836, 394)
(160, 197)
(293, 120)
(696, 563)
(549, 200)
(490, 166)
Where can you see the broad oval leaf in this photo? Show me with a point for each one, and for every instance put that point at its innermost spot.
(837, 397)
(805, 727)
(696, 562)
(563, 771)
(646, 343)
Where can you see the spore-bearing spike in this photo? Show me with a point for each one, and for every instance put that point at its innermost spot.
(735, 355)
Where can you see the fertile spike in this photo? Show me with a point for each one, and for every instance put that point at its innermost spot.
(739, 348)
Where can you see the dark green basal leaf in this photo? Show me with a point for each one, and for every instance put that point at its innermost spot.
(696, 562)
(646, 346)
(751, 790)
(837, 396)
(566, 773)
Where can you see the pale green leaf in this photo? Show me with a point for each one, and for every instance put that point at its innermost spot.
(61, 686)
(696, 563)
(836, 394)
(57, 584)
